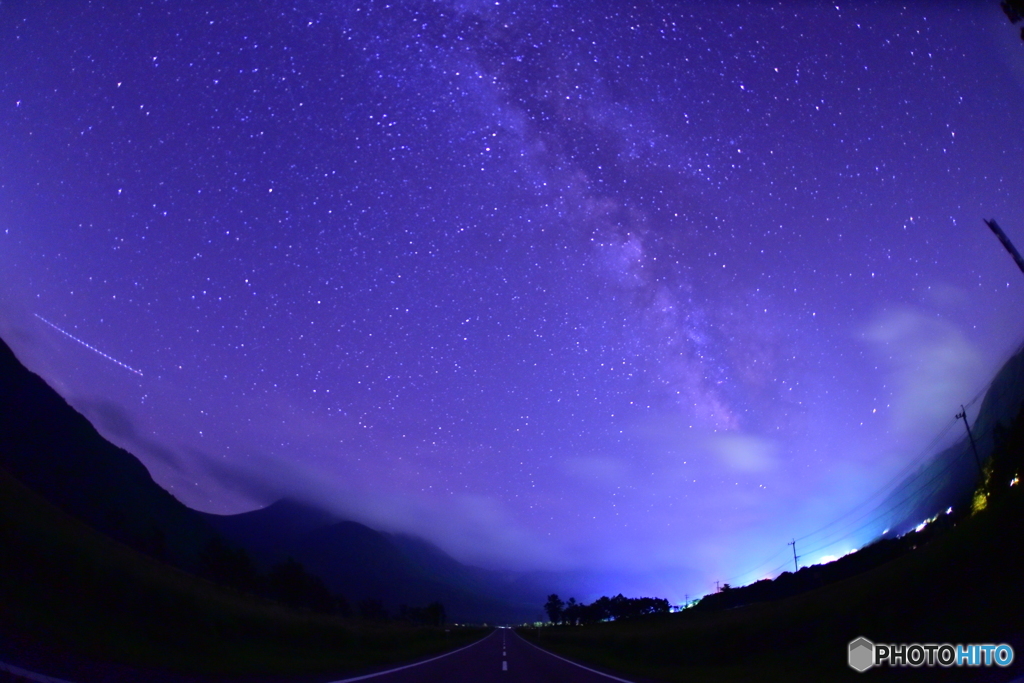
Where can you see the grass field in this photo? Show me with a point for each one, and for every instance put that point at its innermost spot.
(967, 586)
(76, 604)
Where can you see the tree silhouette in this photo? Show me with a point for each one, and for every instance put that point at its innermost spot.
(372, 610)
(228, 566)
(289, 583)
(554, 607)
(435, 613)
(605, 609)
(571, 613)
(432, 615)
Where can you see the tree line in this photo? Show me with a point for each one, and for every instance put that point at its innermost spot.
(602, 609)
(289, 583)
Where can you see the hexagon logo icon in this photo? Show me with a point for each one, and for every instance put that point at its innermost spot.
(862, 654)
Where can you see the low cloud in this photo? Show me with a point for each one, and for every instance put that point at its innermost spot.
(744, 452)
(473, 528)
(932, 365)
(945, 296)
(114, 423)
(595, 469)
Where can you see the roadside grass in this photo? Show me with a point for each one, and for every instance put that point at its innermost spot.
(966, 586)
(68, 590)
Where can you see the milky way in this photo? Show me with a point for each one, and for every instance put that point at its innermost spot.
(647, 288)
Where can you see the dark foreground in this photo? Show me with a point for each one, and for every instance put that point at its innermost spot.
(78, 606)
(500, 657)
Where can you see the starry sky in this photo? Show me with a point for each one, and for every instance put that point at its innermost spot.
(647, 288)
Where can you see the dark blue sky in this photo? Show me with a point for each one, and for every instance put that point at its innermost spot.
(642, 287)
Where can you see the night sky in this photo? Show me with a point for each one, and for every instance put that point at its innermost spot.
(645, 288)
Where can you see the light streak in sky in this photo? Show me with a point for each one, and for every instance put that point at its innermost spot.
(89, 346)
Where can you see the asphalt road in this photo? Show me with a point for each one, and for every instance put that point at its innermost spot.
(501, 657)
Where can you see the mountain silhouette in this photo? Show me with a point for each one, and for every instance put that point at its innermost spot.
(55, 450)
(364, 564)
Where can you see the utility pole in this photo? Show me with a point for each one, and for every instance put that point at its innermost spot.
(962, 415)
(716, 587)
(1006, 243)
(793, 543)
(686, 601)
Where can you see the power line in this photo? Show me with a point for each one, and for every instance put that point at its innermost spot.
(754, 570)
(895, 482)
(900, 476)
(900, 482)
(897, 505)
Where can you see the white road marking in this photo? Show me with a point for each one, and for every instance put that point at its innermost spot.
(586, 668)
(42, 678)
(409, 666)
(29, 675)
(504, 666)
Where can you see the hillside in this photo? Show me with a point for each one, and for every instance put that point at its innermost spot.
(949, 477)
(53, 449)
(364, 564)
(960, 584)
(78, 605)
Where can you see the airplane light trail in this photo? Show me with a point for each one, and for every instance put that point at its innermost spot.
(89, 346)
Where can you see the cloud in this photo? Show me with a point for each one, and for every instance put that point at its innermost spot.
(944, 296)
(473, 528)
(744, 452)
(932, 366)
(260, 479)
(483, 531)
(116, 425)
(595, 469)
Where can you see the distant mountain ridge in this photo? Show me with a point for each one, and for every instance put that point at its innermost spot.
(363, 564)
(51, 447)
